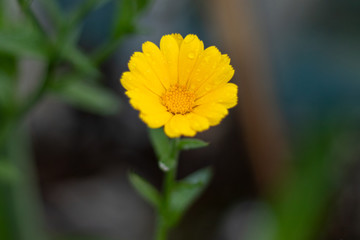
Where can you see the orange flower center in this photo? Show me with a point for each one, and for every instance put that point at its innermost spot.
(178, 100)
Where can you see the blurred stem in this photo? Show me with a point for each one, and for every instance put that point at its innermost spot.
(105, 51)
(39, 92)
(12, 121)
(163, 222)
(25, 7)
(25, 194)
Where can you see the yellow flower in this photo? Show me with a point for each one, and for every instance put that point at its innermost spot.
(180, 85)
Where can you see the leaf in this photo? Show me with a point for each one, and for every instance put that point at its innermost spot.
(90, 97)
(53, 11)
(8, 64)
(22, 42)
(186, 192)
(321, 163)
(191, 143)
(142, 4)
(124, 19)
(3, 17)
(80, 61)
(164, 148)
(8, 172)
(7, 90)
(146, 190)
(160, 141)
(27, 207)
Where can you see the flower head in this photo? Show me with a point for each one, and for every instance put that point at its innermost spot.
(180, 85)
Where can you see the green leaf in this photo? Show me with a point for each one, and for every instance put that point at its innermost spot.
(25, 3)
(191, 143)
(80, 61)
(89, 97)
(186, 192)
(125, 15)
(146, 190)
(53, 11)
(8, 64)
(27, 209)
(8, 172)
(320, 164)
(24, 42)
(164, 148)
(7, 93)
(3, 17)
(160, 141)
(142, 4)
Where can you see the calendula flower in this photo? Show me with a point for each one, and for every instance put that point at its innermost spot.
(180, 85)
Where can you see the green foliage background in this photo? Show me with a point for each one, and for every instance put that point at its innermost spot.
(69, 74)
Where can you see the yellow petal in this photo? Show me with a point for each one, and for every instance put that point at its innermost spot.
(222, 74)
(132, 82)
(190, 49)
(156, 120)
(170, 49)
(205, 67)
(157, 62)
(144, 101)
(178, 38)
(226, 95)
(140, 68)
(214, 112)
(179, 125)
(197, 122)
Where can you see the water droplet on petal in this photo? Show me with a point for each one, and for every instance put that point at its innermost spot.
(189, 38)
(191, 55)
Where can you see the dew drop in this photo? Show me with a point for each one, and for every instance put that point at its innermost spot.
(163, 167)
(191, 55)
(189, 38)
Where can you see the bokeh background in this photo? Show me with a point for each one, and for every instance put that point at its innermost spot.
(286, 159)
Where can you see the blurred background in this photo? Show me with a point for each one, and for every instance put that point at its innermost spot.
(286, 159)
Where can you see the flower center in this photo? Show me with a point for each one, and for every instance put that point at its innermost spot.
(178, 100)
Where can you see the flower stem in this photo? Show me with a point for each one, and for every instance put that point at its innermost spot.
(161, 228)
(163, 222)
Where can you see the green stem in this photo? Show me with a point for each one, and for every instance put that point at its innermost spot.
(161, 228)
(163, 222)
